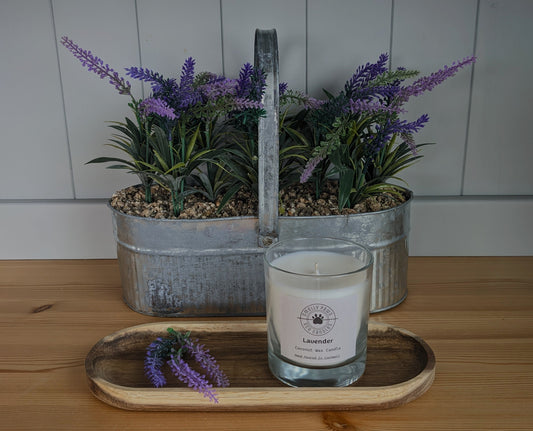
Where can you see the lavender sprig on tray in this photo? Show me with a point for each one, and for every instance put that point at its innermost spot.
(177, 350)
(182, 370)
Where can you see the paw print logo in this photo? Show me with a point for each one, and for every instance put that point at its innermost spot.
(318, 319)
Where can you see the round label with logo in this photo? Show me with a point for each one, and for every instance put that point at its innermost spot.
(317, 319)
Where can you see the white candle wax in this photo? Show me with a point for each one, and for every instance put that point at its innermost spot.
(317, 317)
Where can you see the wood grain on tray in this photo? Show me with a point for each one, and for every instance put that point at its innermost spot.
(400, 368)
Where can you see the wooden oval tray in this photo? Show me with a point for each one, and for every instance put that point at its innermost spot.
(400, 367)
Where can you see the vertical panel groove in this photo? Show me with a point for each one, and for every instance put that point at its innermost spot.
(139, 41)
(391, 33)
(306, 46)
(469, 109)
(67, 137)
(222, 38)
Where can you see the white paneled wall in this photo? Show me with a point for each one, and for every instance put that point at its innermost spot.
(442, 32)
(171, 31)
(109, 29)
(35, 159)
(240, 18)
(474, 188)
(500, 142)
(341, 36)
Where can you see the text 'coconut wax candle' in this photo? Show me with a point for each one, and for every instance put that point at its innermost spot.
(318, 294)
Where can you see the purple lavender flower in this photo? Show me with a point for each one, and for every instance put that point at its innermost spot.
(241, 104)
(409, 140)
(309, 168)
(379, 92)
(312, 103)
(192, 378)
(218, 88)
(152, 369)
(283, 86)
(187, 95)
(365, 74)
(153, 363)
(406, 131)
(258, 84)
(390, 127)
(143, 74)
(153, 105)
(187, 74)
(409, 128)
(359, 106)
(175, 350)
(382, 135)
(155, 79)
(96, 65)
(244, 82)
(163, 88)
(427, 83)
(179, 97)
(207, 362)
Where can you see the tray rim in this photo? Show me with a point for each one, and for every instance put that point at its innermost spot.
(256, 398)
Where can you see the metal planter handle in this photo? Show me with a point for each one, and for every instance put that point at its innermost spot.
(266, 58)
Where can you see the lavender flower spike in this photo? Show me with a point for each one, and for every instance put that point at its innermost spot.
(153, 363)
(244, 84)
(413, 127)
(359, 106)
(152, 369)
(187, 74)
(365, 74)
(192, 378)
(218, 88)
(309, 168)
(312, 103)
(147, 75)
(428, 83)
(242, 104)
(96, 65)
(207, 362)
(156, 106)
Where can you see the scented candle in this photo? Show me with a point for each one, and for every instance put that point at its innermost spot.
(318, 292)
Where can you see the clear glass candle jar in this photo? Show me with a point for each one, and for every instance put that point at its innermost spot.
(318, 295)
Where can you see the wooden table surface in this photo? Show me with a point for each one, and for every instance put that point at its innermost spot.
(476, 314)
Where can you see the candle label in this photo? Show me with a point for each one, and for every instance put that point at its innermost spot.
(320, 333)
(317, 319)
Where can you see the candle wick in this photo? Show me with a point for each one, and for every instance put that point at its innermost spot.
(316, 269)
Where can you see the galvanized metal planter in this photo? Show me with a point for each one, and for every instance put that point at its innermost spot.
(214, 267)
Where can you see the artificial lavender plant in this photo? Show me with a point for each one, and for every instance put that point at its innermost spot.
(178, 132)
(358, 137)
(198, 133)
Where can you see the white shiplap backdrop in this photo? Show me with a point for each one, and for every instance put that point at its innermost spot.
(474, 190)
